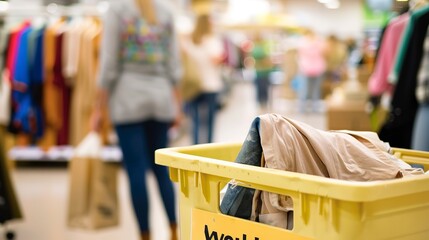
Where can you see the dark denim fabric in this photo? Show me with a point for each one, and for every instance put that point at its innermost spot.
(237, 201)
(138, 142)
(203, 113)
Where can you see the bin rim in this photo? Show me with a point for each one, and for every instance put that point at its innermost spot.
(253, 176)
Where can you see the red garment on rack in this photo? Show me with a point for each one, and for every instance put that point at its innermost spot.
(64, 91)
(15, 36)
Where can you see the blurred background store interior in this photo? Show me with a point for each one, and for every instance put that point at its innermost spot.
(40, 174)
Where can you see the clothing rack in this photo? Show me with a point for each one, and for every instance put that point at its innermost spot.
(51, 15)
(59, 154)
(53, 10)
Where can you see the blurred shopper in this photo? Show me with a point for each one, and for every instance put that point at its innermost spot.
(206, 51)
(312, 66)
(336, 59)
(353, 52)
(263, 68)
(138, 75)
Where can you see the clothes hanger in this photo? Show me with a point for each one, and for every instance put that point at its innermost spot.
(417, 4)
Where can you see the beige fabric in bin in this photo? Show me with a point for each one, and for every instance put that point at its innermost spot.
(346, 155)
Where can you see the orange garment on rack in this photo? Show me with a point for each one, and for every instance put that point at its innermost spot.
(51, 97)
(85, 88)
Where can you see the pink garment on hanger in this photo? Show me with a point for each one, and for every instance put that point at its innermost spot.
(378, 82)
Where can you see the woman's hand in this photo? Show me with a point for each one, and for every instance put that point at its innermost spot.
(177, 121)
(96, 120)
(97, 113)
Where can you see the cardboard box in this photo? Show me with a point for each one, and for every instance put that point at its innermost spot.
(348, 115)
(348, 108)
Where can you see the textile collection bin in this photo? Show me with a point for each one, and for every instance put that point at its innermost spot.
(324, 208)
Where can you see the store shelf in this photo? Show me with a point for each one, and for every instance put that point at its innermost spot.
(59, 154)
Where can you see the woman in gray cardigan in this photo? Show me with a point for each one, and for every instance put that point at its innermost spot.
(139, 72)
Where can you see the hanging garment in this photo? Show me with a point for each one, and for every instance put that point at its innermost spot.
(37, 80)
(27, 116)
(51, 97)
(21, 99)
(405, 41)
(83, 95)
(378, 82)
(64, 92)
(10, 65)
(85, 86)
(14, 41)
(420, 137)
(422, 89)
(71, 50)
(398, 127)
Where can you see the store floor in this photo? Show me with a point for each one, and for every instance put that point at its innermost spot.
(42, 191)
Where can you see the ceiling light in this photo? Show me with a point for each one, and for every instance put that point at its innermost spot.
(4, 6)
(333, 4)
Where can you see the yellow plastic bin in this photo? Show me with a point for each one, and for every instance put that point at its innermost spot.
(324, 208)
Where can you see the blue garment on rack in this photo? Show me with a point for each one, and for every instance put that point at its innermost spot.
(21, 85)
(28, 84)
(36, 81)
(237, 201)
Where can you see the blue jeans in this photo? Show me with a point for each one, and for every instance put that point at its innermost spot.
(262, 88)
(203, 111)
(420, 139)
(238, 200)
(138, 142)
(309, 89)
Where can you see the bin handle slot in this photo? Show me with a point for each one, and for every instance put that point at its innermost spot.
(205, 186)
(333, 212)
(303, 203)
(184, 186)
